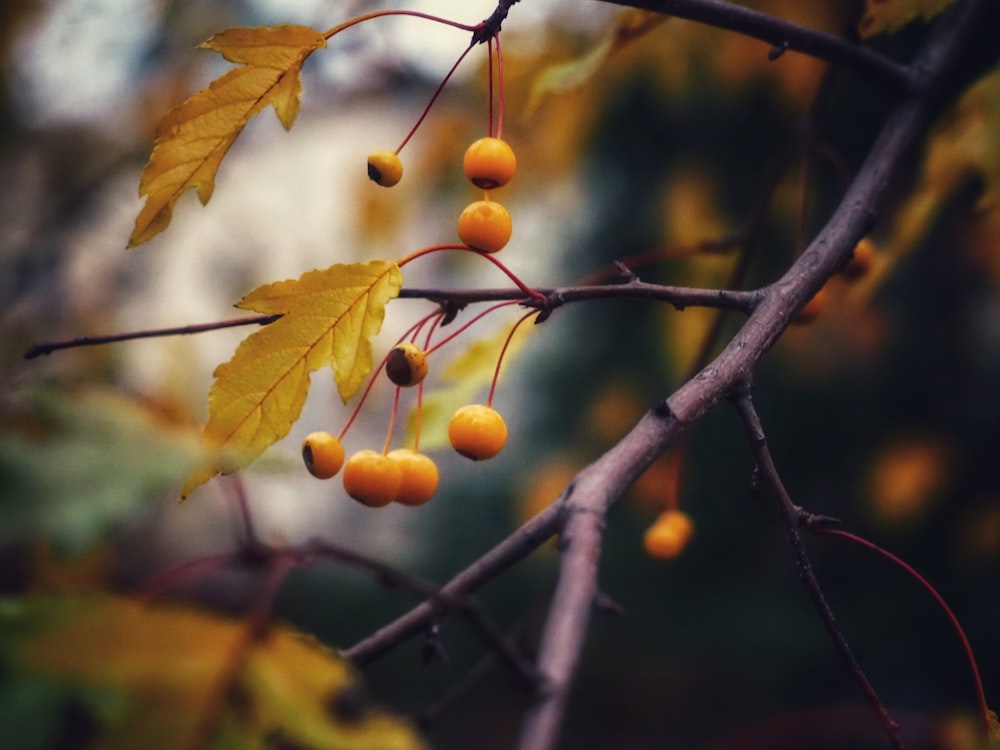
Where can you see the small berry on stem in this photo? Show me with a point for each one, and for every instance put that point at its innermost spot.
(485, 226)
(477, 431)
(385, 168)
(323, 454)
(489, 163)
(419, 476)
(668, 535)
(372, 478)
(406, 365)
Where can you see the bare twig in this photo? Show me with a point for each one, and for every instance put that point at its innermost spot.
(794, 517)
(785, 35)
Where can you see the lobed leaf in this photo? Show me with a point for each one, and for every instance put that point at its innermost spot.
(888, 16)
(328, 318)
(193, 138)
(160, 676)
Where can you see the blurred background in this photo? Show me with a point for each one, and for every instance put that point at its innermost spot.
(884, 411)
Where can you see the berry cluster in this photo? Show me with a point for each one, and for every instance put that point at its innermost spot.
(404, 475)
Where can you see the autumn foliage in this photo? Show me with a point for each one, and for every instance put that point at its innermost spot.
(777, 216)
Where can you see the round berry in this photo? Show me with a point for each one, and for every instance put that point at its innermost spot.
(420, 476)
(477, 432)
(668, 535)
(485, 226)
(323, 454)
(861, 261)
(406, 364)
(385, 168)
(372, 478)
(489, 163)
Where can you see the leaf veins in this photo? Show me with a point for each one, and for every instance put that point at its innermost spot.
(328, 318)
(193, 138)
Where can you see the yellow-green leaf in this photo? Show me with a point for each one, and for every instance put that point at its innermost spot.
(887, 16)
(193, 138)
(175, 676)
(562, 77)
(328, 318)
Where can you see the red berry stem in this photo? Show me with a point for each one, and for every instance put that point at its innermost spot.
(984, 712)
(489, 48)
(434, 96)
(503, 351)
(510, 274)
(392, 421)
(465, 326)
(496, 39)
(380, 13)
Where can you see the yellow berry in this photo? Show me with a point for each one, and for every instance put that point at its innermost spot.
(372, 478)
(420, 476)
(406, 364)
(323, 454)
(385, 168)
(477, 432)
(668, 535)
(489, 163)
(485, 226)
(861, 261)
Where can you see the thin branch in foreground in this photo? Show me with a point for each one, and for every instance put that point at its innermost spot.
(794, 517)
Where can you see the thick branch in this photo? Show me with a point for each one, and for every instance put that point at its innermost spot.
(784, 35)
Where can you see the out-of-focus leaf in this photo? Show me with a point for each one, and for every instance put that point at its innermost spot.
(172, 676)
(193, 138)
(887, 16)
(965, 146)
(76, 465)
(566, 76)
(327, 318)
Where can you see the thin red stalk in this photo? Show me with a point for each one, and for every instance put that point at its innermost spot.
(434, 96)
(496, 39)
(461, 329)
(984, 712)
(380, 13)
(489, 47)
(392, 421)
(503, 351)
(510, 274)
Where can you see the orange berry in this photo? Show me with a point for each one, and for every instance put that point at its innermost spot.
(372, 478)
(419, 476)
(385, 168)
(489, 163)
(477, 432)
(406, 364)
(861, 261)
(485, 226)
(668, 535)
(323, 454)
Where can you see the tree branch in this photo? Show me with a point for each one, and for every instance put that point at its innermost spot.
(784, 35)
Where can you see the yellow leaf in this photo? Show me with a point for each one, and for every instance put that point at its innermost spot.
(887, 16)
(193, 138)
(328, 318)
(965, 146)
(172, 676)
(566, 76)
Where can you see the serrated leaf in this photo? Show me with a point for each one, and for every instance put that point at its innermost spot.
(328, 318)
(965, 146)
(165, 677)
(193, 138)
(888, 16)
(566, 76)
